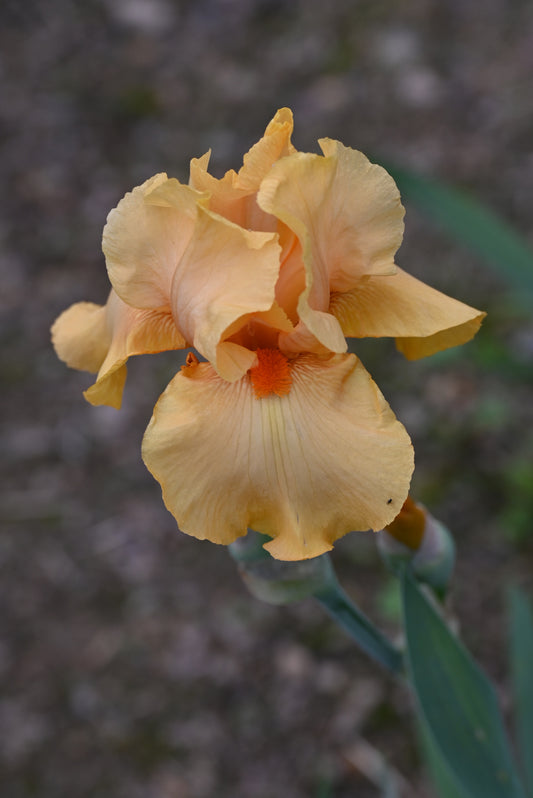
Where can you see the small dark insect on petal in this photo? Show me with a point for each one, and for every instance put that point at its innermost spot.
(389, 501)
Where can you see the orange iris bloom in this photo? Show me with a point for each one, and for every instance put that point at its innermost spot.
(265, 272)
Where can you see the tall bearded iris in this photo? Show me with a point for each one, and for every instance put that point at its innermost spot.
(264, 273)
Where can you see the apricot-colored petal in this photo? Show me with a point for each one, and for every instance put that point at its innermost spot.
(275, 144)
(233, 196)
(235, 204)
(109, 387)
(348, 217)
(305, 468)
(225, 273)
(275, 317)
(256, 330)
(81, 337)
(422, 319)
(101, 338)
(224, 196)
(365, 206)
(145, 236)
(233, 360)
(291, 281)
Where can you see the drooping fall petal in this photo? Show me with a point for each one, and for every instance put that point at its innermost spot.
(305, 468)
(348, 217)
(422, 320)
(101, 338)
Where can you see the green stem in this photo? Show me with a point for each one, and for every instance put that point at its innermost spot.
(342, 609)
(279, 582)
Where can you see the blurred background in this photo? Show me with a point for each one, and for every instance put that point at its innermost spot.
(133, 663)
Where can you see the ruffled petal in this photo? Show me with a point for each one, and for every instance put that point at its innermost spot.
(422, 319)
(348, 217)
(145, 236)
(100, 339)
(224, 197)
(233, 196)
(275, 144)
(225, 274)
(305, 468)
(163, 247)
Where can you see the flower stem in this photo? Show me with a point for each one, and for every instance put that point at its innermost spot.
(342, 609)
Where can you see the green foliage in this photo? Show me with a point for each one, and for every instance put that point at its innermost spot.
(457, 702)
(441, 776)
(335, 601)
(389, 600)
(521, 656)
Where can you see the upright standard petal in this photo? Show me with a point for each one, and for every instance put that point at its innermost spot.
(101, 338)
(422, 320)
(305, 468)
(146, 235)
(225, 274)
(348, 217)
(233, 196)
(275, 144)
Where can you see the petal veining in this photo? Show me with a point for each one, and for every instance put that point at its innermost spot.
(305, 468)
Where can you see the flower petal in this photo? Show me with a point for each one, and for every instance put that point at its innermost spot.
(225, 274)
(422, 319)
(81, 337)
(233, 196)
(275, 144)
(162, 246)
(101, 338)
(305, 468)
(224, 197)
(348, 217)
(145, 236)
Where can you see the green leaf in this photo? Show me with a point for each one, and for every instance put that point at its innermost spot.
(443, 781)
(343, 610)
(521, 653)
(470, 222)
(457, 702)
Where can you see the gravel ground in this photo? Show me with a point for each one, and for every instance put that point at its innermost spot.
(132, 660)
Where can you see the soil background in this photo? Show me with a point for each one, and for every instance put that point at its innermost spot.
(133, 662)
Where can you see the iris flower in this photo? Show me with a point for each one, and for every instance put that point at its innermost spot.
(271, 425)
